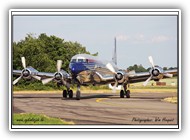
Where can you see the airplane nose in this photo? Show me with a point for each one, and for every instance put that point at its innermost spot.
(72, 69)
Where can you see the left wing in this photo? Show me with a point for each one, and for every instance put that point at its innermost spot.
(155, 73)
(152, 75)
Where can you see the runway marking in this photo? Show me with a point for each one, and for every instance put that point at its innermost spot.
(101, 100)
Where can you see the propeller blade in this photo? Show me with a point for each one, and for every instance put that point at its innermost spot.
(168, 75)
(151, 61)
(36, 77)
(146, 82)
(16, 80)
(110, 67)
(45, 81)
(59, 64)
(114, 87)
(65, 83)
(23, 62)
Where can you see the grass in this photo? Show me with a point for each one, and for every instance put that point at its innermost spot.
(35, 119)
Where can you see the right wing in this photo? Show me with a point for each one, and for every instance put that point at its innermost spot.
(59, 76)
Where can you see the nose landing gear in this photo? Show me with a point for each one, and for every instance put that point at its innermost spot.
(67, 93)
(125, 92)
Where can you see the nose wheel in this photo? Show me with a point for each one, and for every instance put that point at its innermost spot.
(125, 92)
(68, 93)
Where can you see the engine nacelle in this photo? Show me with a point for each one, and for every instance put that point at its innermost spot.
(29, 72)
(120, 77)
(58, 76)
(157, 73)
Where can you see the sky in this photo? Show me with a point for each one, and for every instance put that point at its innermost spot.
(137, 36)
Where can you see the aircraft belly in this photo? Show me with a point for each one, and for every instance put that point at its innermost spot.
(85, 77)
(97, 76)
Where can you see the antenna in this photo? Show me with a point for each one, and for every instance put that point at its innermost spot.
(114, 58)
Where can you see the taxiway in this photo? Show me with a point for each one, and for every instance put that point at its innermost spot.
(141, 108)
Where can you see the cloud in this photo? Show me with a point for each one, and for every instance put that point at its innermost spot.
(142, 38)
(160, 38)
(135, 38)
(123, 37)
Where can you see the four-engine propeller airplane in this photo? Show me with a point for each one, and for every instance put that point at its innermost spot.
(85, 69)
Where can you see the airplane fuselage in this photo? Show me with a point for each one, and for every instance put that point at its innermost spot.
(84, 62)
(82, 65)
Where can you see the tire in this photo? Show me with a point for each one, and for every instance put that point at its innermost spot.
(64, 94)
(128, 94)
(121, 94)
(78, 95)
(70, 94)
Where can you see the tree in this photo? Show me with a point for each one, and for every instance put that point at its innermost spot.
(42, 52)
(137, 68)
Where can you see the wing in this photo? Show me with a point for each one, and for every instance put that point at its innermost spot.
(45, 75)
(17, 72)
(155, 73)
(143, 76)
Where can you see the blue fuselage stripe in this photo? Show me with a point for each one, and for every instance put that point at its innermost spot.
(77, 67)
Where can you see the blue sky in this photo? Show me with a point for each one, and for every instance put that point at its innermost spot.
(137, 36)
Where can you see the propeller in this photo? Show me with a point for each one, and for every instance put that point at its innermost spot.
(57, 75)
(146, 82)
(168, 75)
(153, 67)
(151, 61)
(25, 72)
(111, 68)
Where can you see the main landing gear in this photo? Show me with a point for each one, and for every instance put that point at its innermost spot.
(125, 92)
(69, 93)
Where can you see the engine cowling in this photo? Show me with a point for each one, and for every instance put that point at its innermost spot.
(29, 72)
(157, 73)
(26, 74)
(120, 77)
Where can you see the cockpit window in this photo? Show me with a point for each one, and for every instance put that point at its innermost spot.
(73, 60)
(80, 60)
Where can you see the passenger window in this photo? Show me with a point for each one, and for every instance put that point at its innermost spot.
(80, 60)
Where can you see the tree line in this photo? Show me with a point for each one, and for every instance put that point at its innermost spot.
(42, 52)
(140, 68)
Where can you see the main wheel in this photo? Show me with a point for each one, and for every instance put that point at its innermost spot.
(64, 93)
(70, 94)
(121, 94)
(78, 95)
(128, 94)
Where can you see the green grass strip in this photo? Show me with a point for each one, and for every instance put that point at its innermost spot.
(35, 119)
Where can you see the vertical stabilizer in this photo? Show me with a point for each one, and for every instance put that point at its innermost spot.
(114, 58)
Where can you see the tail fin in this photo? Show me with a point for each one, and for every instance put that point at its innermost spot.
(114, 57)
